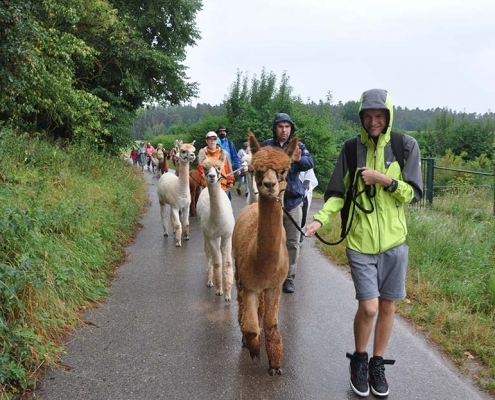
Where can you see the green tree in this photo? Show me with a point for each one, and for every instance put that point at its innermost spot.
(253, 107)
(350, 112)
(80, 69)
(474, 139)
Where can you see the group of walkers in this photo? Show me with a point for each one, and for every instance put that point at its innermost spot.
(370, 184)
(143, 155)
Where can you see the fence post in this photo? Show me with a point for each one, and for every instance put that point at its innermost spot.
(430, 166)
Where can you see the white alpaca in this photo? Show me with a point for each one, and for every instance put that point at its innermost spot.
(217, 221)
(253, 189)
(174, 191)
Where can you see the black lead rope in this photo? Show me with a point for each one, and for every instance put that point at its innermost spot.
(369, 190)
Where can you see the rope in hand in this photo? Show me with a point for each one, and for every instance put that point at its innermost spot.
(369, 190)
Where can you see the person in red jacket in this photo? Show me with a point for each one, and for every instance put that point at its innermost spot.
(212, 149)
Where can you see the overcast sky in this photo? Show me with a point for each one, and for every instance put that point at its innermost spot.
(426, 53)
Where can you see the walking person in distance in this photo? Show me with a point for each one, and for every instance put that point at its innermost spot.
(225, 143)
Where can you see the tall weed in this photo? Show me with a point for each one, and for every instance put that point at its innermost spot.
(65, 215)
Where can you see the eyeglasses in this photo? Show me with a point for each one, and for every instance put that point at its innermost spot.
(211, 138)
(222, 131)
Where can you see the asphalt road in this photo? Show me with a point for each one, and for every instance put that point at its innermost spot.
(162, 334)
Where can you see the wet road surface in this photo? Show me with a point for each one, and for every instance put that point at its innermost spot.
(162, 334)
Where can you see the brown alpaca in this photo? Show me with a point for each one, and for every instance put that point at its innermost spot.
(163, 164)
(195, 188)
(260, 253)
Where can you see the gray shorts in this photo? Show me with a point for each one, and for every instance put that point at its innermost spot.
(380, 275)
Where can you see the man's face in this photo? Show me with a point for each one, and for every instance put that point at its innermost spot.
(282, 131)
(211, 142)
(222, 133)
(374, 121)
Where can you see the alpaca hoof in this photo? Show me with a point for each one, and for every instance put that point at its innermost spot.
(227, 299)
(165, 234)
(177, 245)
(187, 237)
(209, 284)
(275, 371)
(219, 293)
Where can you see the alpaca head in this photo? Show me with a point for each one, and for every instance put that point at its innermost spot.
(186, 153)
(213, 169)
(245, 161)
(271, 166)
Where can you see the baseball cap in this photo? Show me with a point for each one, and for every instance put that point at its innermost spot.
(211, 134)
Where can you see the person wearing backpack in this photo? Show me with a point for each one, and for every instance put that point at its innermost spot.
(376, 230)
(283, 133)
(225, 143)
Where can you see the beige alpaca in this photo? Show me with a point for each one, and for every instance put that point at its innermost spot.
(252, 197)
(260, 253)
(217, 221)
(174, 191)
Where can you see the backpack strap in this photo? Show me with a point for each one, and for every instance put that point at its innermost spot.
(350, 150)
(397, 139)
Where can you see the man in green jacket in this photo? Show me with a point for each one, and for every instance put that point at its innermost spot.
(376, 248)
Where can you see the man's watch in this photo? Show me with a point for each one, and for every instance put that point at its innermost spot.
(392, 187)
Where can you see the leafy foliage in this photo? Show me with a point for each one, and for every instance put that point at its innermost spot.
(63, 215)
(79, 70)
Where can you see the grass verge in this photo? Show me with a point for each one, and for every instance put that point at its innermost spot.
(65, 217)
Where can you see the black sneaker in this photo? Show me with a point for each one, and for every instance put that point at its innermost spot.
(378, 382)
(288, 286)
(239, 192)
(359, 373)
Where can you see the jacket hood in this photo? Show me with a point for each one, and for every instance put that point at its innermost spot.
(283, 117)
(376, 99)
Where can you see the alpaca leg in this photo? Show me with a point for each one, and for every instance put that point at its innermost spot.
(251, 335)
(209, 265)
(164, 216)
(177, 226)
(216, 257)
(228, 272)
(240, 307)
(192, 209)
(273, 339)
(185, 221)
(261, 308)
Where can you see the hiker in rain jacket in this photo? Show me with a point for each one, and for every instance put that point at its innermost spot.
(384, 228)
(376, 248)
(283, 132)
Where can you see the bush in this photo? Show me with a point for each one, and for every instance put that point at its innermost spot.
(65, 214)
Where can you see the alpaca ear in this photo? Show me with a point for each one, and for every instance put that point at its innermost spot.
(194, 141)
(222, 156)
(253, 143)
(291, 148)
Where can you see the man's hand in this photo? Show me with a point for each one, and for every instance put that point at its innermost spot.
(296, 156)
(312, 228)
(370, 177)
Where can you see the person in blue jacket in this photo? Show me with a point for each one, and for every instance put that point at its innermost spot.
(228, 146)
(283, 132)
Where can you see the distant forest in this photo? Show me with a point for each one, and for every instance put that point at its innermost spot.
(158, 121)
